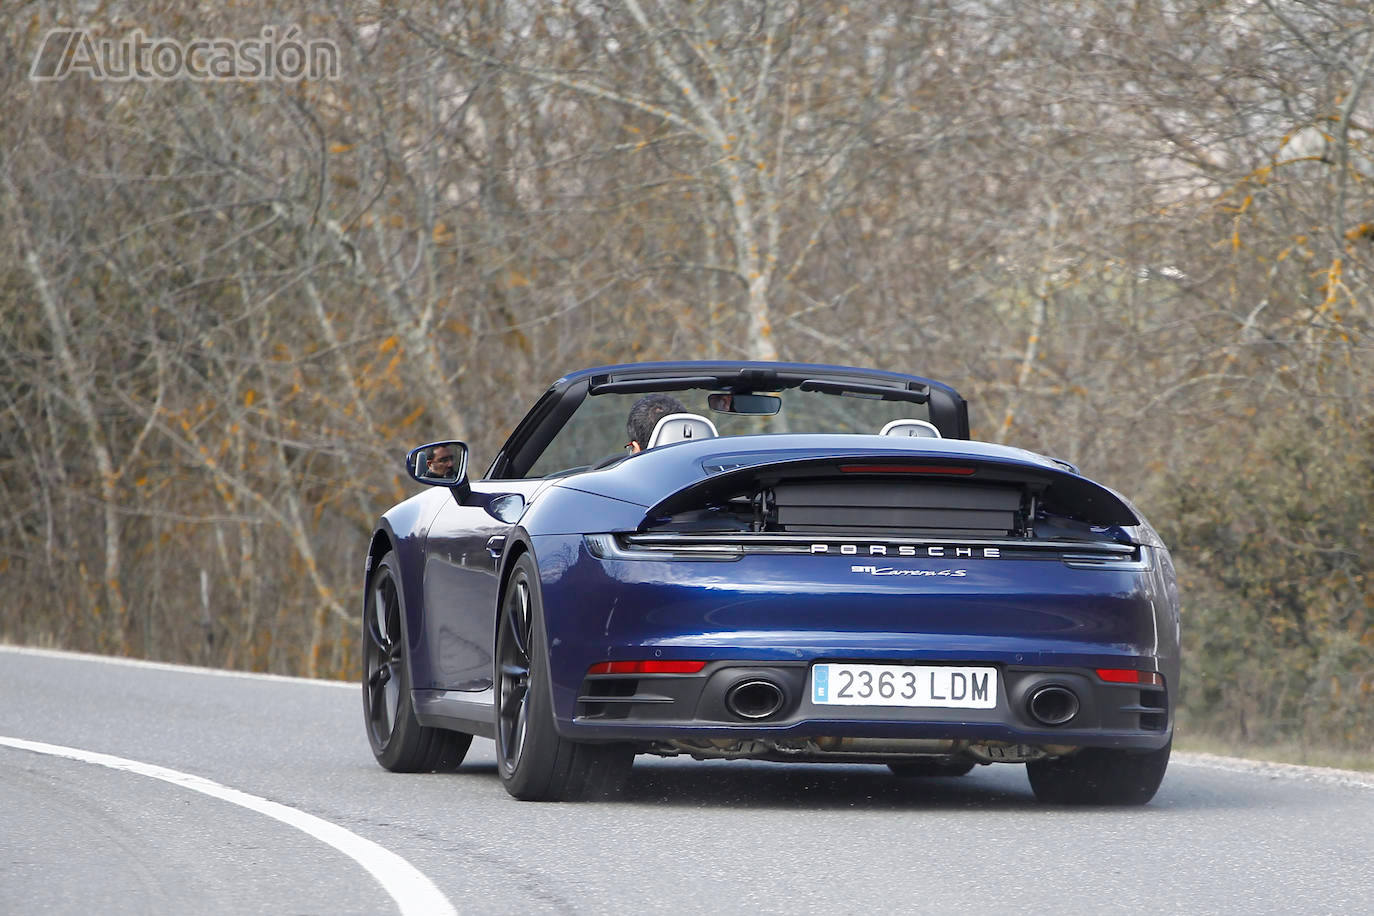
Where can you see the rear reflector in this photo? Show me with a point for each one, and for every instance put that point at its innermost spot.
(949, 469)
(1130, 676)
(648, 666)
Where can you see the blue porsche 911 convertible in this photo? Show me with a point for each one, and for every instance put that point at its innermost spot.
(773, 561)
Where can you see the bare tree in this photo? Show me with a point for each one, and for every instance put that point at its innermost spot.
(1137, 235)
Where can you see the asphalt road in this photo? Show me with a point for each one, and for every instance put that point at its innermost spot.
(268, 800)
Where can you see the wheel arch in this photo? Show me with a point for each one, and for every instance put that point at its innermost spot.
(383, 542)
(380, 545)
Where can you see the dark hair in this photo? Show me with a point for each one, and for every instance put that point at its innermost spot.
(646, 413)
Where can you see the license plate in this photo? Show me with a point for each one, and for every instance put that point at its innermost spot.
(904, 685)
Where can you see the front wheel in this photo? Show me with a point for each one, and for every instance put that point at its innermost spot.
(1099, 776)
(399, 742)
(535, 762)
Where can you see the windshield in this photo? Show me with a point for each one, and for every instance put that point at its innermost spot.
(597, 430)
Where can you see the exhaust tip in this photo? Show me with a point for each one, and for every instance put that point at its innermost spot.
(1052, 705)
(754, 699)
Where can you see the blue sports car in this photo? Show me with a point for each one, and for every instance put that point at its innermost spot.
(774, 561)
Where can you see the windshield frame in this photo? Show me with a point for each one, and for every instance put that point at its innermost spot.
(552, 411)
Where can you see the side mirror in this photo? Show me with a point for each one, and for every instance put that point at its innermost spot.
(439, 464)
(761, 405)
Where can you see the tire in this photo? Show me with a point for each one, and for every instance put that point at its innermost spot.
(535, 762)
(924, 767)
(399, 742)
(1099, 776)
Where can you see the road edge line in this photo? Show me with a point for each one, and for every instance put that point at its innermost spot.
(413, 892)
(171, 666)
(1275, 770)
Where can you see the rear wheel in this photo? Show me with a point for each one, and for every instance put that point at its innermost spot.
(399, 742)
(923, 767)
(535, 762)
(1099, 776)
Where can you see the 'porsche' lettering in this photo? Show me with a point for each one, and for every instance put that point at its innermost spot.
(938, 551)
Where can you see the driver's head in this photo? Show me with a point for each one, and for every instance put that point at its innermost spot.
(644, 416)
(440, 461)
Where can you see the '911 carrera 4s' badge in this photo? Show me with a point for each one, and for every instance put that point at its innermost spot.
(890, 571)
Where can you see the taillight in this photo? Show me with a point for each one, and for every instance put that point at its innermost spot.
(1130, 676)
(647, 666)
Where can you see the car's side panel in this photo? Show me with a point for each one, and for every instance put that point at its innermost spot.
(459, 585)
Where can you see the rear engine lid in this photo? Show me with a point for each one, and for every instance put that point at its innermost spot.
(904, 505)
(985, 491)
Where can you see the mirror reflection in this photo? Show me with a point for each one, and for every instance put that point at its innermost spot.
(757, 404)
(438, 462)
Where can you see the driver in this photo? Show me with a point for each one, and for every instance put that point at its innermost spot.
(644, 416)
(439, 463)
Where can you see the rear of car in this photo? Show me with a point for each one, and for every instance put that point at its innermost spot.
(922, 602)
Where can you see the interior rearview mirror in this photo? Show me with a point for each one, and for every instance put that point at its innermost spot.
(758, 404)
(439, 464)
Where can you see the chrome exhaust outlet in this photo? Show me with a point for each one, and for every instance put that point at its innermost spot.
(754, 699)
(1052, 705)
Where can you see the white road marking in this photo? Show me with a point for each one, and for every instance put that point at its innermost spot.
(1328, 775)
(412, 891)
(167, 666)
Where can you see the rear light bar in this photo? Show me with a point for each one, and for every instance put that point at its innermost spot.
(1130, 676)
(953, 470)
(647, 666)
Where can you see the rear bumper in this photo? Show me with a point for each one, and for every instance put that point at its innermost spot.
(663, 708)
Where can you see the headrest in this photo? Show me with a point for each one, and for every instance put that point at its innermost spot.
(923, 429)
(678, 427)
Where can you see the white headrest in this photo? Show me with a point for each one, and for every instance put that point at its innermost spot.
(678, 427)
(923, 429)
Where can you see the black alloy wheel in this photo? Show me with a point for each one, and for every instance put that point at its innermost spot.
(399, 742)
(1099, 776)
(535, 762)
(513, 682)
